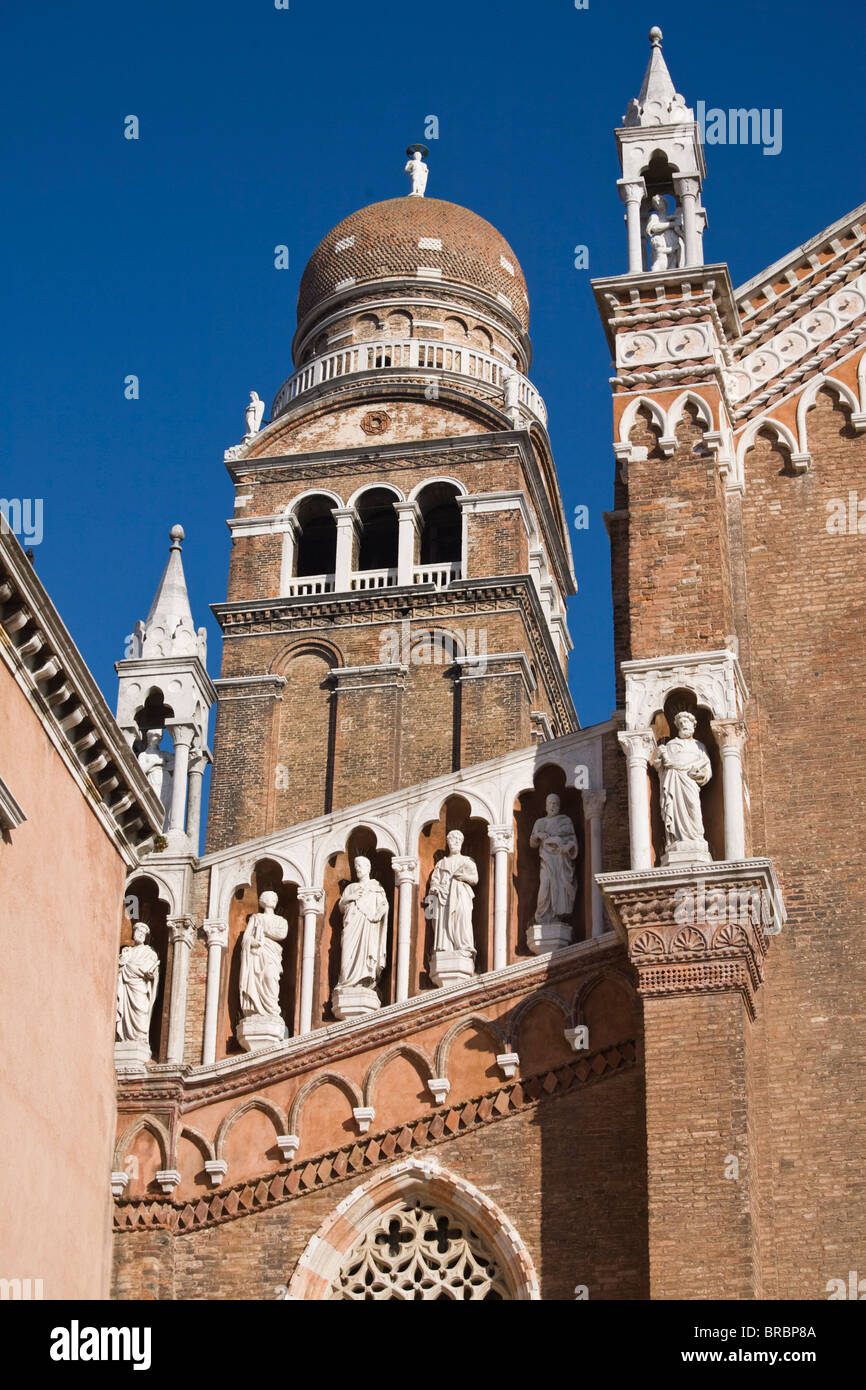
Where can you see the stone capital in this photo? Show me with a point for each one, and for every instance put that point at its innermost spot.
(637, 744)
(405, 870)
(685, 184)
(181, 931)
(593, 803)
(731, 734)
(182, 734)
(631, 190)
(312, 899)
(216, 932)
(501, 838)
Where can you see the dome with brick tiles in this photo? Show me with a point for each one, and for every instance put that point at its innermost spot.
(419, 238)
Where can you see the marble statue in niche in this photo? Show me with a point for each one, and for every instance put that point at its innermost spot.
(363, 945)
(553, 835)
(448, 906)
(137, 983)
(665, 234)
(683, 767)
(261, 1023)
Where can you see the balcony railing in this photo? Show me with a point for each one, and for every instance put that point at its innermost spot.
(405, 354)
(441, 575)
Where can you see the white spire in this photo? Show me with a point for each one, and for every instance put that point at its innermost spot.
(168, 629)
(659, 103)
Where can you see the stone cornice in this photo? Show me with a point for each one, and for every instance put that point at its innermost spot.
(52, 674)
(391, 605)
(697, 929)
(194, 1086)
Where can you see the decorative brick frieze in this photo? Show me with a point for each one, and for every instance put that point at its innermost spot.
(366, 1152)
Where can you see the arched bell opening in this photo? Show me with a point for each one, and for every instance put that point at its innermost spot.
(378, 544)
(441, 524)
(316, 551)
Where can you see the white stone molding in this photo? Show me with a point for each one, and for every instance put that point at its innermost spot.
(430, 482)
(312, 902)
(217, 935)
(475, 667)
(799, 462)
(288, 1145)
(593, 808)
(508, 1062)
(119, 1183)
(808, 401)
(714, 677)
(364, 1117)
(439, 1086)
(168, 1179)
(216, 1169)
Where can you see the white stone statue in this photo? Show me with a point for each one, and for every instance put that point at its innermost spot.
(683, 765)
(261, 967)
(511, 393)
(449, 906)
(137, 982)
(157, 765)
(364, 944)
(554, 837)
(665, 233)
(417, 171)
(253, 413)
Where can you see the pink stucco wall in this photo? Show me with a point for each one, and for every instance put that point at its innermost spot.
(61, 886)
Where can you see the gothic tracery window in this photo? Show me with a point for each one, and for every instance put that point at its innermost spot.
(420, 1252)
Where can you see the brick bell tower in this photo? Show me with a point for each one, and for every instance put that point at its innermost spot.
(400, 556)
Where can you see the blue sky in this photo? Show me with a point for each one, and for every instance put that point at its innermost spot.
(261, 127)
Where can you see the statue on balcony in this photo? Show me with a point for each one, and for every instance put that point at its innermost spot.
(683, 766)
(364, 944)
(554, 837)
(137, 983)
(261, 1023)
(448, 906)
(253, 413)
(665, 232)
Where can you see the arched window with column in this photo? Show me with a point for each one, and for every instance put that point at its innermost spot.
(441, 546)
(316, 544)
(378, 547)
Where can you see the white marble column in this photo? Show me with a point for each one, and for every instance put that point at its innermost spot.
(406, 874)
(347, 531)
(638, 745)
(409, 529)
(687, 190)
(501, 845)
(199, 759)
(181, 737)
(593, 806)
(312, 902)
(289, 550)
(181, 930)
(632, 192)
(217, 934)
(731, 735)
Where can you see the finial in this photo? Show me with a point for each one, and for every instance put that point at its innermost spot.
(176, 536)
(655, 36)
